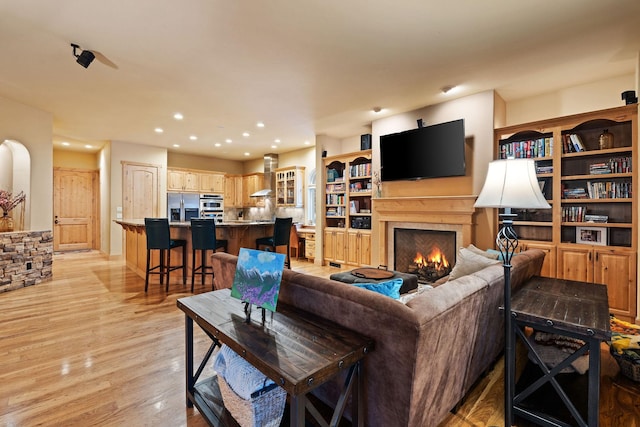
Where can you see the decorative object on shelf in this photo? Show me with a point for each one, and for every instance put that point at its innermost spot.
(592, 235)
(605, 140)
(7, 204)
(378, 183)
(510, 183)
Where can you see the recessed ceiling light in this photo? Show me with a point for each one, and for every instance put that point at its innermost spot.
(178, 116)
(307, 143)
(88, 146)
(260, 124)
(277, 141)
(247, 154)
(274, 146)
(193, 137)
(66, 144)
(176, 145)
(158, 130)
(245, 134)
(228, 141)
(217, 144)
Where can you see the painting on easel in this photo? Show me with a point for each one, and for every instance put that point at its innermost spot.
(257, 279)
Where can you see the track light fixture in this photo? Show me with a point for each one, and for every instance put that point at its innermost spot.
(84, 58)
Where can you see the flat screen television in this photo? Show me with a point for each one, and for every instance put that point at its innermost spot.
(427, 152)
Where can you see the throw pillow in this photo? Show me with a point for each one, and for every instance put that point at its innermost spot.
(487, 253)
(498, 254)
(469, 262)
(390, 288)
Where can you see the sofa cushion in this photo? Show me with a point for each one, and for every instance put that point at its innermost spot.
(469, 262)
(390, 288)
(488, 253)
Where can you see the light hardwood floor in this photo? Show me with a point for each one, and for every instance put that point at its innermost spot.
(91, 348)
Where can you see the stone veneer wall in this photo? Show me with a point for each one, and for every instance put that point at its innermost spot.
(26, 259)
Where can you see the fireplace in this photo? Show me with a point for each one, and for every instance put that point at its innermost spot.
(454, 214)
(429, 254)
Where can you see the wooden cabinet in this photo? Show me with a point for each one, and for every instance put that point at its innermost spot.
(334, 245)
(359, 247)
(347, 204)
(233, 191)
(212, 183)
(250, 184)
(183, 180)
(615, 268)
(290, 186)
(549, 266)
(593, 220)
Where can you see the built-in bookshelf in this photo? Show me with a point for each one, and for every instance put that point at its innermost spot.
(347, 208)
(586, 169)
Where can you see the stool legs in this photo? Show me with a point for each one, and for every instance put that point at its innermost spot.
(202, 269)
(164, 267)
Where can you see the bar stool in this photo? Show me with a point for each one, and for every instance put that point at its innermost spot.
(159, 238)
(281, 235)
(203, 238)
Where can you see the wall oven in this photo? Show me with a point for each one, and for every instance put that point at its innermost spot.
(212, 206)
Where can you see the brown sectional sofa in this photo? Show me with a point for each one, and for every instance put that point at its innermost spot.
(428, 353)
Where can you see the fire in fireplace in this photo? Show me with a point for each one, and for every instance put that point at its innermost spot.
(431, 267)
(409, 245)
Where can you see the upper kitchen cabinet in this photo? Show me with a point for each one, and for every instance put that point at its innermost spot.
(183, 180)
(233, 191)
(290, 186)
(250, 184)
(212, 183)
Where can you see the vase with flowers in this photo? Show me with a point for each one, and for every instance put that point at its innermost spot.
(7, 203)
(378, 183)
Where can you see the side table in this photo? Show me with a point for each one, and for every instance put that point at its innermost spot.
(297, 350)
(569, 308)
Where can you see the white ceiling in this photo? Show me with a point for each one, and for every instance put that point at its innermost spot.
(302, 67)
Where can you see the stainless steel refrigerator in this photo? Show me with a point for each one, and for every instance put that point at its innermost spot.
(182, 206)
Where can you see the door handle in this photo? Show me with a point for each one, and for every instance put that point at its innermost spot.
(55, 221)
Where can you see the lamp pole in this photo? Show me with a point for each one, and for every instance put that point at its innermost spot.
(507, 242)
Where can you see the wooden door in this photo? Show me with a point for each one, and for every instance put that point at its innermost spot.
(140, 191)
(175, 180)
(75, 209)
(365, 249)
(617, 270)
(575, 263)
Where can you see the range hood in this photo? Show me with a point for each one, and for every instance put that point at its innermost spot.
(270, 165)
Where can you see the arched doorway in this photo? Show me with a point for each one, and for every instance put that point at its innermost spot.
(15, 177)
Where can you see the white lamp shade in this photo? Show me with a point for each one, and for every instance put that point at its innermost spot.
(512, 183)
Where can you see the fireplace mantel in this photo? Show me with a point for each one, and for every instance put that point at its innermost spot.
(454, 213)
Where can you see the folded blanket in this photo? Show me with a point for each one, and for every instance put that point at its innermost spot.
(625, 338)
(243, 378)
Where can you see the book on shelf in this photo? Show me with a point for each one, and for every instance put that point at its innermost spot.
(544, 168)
(527, 149)
(596, 218)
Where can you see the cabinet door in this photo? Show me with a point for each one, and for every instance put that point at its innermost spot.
(549, 264)
(575, 263)
(191, 181)
(365, 249)
(175, 180)
(341, 246)
(353, 244)
(212, 183)
(329, 245)
(617, 270)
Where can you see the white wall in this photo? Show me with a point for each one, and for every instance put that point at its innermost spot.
(33, 128)
(572, 100)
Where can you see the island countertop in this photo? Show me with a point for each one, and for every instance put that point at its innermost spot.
(238, 233)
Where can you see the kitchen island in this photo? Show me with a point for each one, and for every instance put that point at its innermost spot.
(238, 233)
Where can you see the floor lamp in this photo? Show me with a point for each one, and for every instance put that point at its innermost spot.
(510, 183)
